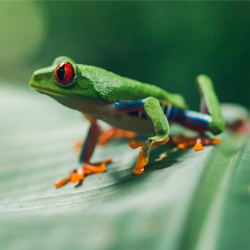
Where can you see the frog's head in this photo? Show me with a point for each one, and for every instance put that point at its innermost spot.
(63, 78)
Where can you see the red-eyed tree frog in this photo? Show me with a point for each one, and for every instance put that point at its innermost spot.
(130, 107)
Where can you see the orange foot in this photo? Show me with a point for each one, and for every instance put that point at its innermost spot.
(141, 160)
(77, 175)
(184, 142)
(112, 133)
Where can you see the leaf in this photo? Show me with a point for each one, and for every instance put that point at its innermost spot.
(188, 200)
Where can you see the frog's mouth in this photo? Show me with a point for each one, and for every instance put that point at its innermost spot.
(43, 91)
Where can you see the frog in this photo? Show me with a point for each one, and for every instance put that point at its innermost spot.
(130, 107)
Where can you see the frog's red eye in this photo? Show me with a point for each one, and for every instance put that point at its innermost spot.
(64, 73)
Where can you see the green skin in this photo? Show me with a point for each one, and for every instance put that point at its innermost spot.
(93, 91)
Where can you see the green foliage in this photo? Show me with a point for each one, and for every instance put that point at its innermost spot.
(188, 200)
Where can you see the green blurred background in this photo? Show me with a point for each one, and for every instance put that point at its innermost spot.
(163, 43)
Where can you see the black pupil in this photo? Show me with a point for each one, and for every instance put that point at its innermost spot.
(60, 72)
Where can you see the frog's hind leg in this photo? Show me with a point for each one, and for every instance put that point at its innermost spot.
(210, 118)
(77, 175)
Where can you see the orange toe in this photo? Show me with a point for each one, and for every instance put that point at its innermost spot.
(198, 147)
(182, 145)
(61, 182)
(75, 177)
(215, 141)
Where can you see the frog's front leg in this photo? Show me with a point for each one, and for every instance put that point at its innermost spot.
(152, 109)
(77, 175)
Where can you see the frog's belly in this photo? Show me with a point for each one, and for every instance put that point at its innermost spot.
(107, 112)
(122, 119)
(126, 122)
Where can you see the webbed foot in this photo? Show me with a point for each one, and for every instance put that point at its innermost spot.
(141, 159)
(77, 175)
(197, 143)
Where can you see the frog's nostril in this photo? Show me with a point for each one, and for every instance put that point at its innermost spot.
(36, 76)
